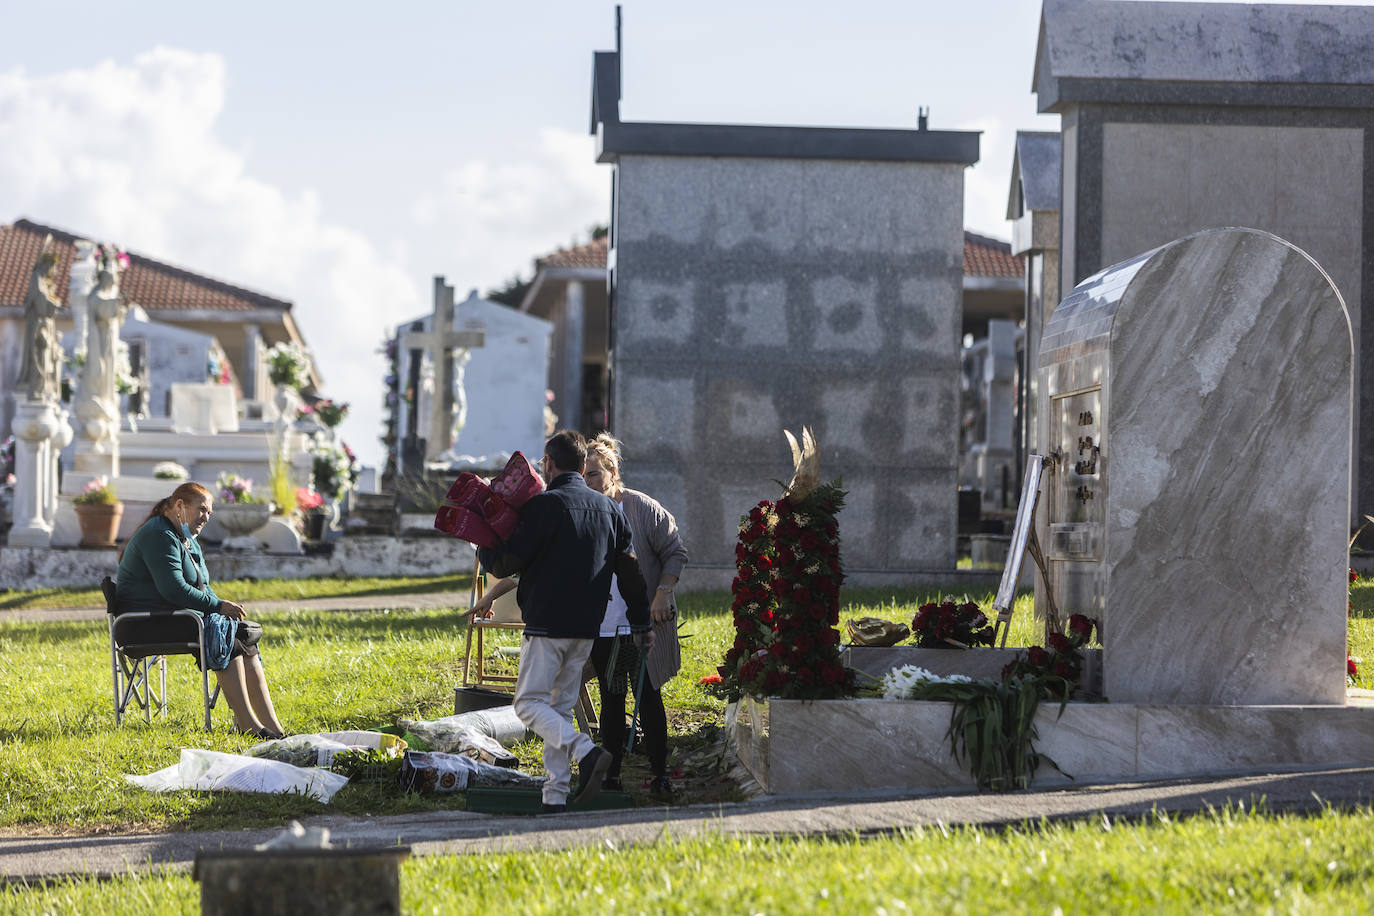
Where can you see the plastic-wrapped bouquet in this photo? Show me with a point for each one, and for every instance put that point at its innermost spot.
(905, 682)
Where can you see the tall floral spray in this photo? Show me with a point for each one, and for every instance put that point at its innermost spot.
(752, 591)
(801, 657)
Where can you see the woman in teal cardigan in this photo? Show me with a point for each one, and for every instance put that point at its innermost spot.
(162, 568)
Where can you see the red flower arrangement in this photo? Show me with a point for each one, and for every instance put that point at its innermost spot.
(1059, 661)
(803, 660)
(939, 626)
(753, 603)
(787, 592)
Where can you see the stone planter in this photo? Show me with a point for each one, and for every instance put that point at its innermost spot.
(239, 521)
(99, 523)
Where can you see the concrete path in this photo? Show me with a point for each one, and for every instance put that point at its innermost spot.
(379, 602)
(40, 858)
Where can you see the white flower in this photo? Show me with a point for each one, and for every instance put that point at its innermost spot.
(901, 683)
(170, 470)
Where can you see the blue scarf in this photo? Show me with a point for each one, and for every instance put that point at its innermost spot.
(219, 640)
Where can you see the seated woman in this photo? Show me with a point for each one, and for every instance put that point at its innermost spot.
(161, 567)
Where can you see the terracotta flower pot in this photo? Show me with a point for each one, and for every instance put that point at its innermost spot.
(99, 523)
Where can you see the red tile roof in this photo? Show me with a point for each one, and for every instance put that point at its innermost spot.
(988, 257)
(592, 254)
(983, 257)
(151, 284)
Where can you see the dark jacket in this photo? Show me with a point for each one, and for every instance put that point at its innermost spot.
(162, 571)
(569, 541)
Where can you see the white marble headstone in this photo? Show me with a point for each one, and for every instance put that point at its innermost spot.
(202, 407)
(1199, 399)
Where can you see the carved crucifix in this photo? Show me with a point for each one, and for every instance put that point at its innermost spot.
(442, 341)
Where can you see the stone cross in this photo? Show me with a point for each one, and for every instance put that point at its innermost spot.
(442, 341)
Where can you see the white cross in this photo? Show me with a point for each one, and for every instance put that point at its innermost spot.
(441, 341)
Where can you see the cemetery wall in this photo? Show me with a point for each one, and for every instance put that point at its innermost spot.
(757, 294)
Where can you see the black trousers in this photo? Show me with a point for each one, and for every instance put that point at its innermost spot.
(652, 716)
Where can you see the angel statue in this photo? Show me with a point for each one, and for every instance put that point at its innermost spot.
(107, 310)
(41, 367)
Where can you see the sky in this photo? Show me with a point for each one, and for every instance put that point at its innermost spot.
(341, 155)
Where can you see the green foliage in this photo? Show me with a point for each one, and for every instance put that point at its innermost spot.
(992, 726)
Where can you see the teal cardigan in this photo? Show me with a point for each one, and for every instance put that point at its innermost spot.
(162, 571)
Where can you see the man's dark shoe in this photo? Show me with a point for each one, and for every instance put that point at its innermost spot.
(553, 809)
(591, 770)
(660, 789)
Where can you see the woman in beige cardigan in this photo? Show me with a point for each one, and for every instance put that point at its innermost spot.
(661, 558)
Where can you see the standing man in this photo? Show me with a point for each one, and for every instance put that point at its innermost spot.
(569, 542)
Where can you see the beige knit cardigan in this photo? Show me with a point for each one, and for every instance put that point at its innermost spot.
(659, 547)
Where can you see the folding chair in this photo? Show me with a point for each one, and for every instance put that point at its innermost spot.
(506, 616)
(130, 663)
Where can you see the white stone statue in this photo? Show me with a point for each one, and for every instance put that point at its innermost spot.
(97, 401)
(42, 364)
(106, 313)
(460, 396)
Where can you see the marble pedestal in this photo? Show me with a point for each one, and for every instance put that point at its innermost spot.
(831, 745)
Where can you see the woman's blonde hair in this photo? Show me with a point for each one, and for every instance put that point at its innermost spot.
(606, 448)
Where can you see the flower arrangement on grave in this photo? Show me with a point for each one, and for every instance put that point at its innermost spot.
(948, 624)
(802, 659)
(1058, 663)
(110, 257)
(1352, 668)
(992, 722)
(906, 682)
(125, 380)
(288, 364)
(170, 470)
(330, 413)
(331, 470)
(96, 493)
(753, 603)
(235, 490)
(7, 462)
(307, 499)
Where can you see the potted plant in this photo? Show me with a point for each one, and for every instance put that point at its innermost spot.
(98, 511)
(238, 511)
(313, 513)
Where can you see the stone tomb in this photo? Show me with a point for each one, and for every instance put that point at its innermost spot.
(1198, 405)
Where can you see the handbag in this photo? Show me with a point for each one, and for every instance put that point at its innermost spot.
(249, 632)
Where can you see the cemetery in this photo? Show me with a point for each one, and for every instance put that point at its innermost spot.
(1159, 450)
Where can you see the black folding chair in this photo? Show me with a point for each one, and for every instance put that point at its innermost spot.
(130, 663)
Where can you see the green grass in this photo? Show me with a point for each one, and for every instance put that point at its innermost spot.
(62, 758)
(253, 590)
(1231, 861)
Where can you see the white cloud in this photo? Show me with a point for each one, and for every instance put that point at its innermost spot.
(493, 219)
(130, 153)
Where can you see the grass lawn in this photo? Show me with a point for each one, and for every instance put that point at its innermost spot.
(251, 590)
(62, 760)
(1225, 862)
